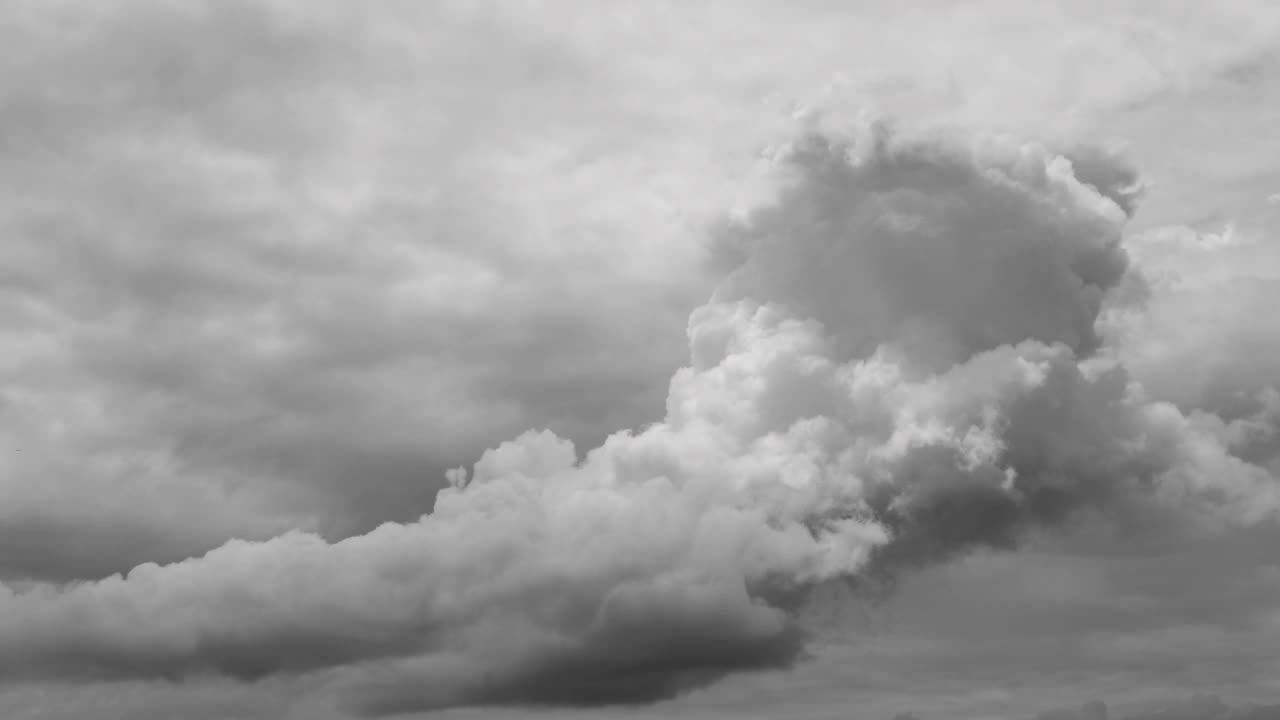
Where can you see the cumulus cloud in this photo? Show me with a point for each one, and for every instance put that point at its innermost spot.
(272, 266)
(905, 367)
(273, 260)
(915, 248)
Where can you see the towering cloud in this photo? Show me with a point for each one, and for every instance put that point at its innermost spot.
(904, 366)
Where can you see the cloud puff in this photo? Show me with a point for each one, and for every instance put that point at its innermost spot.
(904, 368)
(914, 247)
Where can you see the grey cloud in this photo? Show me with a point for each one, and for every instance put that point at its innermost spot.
(653, 654)
(947, 262)
(800, 447)
(1110, 174)
(248, 264)
(1098, 607)
(1200, 336)
(268, 271)
(204, 699)
(1199, 707)
(1092, 710)
(916, 245)
(934, 517)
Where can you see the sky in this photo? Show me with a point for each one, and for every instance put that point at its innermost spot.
(713, 359)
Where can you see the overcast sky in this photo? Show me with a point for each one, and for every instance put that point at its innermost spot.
(812, 359)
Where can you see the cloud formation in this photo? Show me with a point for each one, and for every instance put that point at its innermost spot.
(262, 255)
(1199, 707)
(905, 366)
(268, 268)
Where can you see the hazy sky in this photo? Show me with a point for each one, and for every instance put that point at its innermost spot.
(877, 285)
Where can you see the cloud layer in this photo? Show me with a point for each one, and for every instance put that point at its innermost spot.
(266, 268)
(269, 268)
(903, 368)
(1200, 707)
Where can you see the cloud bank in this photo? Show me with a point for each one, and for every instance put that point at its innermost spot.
(268, 266)
(1200, 707)
(276, 265)
(906, 365)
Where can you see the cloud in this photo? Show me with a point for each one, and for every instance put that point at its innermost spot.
(901, 371)
(271, 269)
(1201, 335)
(1199, 707)
(1092, 710)
(205, 699)
(1097, 607)
(913, 247)
(255, 281)
(263, 254)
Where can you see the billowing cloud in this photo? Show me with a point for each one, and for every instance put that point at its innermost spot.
(269, 268)
(286, 262)
(905, 367)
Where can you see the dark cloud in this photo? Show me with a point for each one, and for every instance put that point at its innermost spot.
(48, 549)
(903, 370)
(276, 266)
(642, 655)
(250, 276)
(915, 245)
(1199, 707)
(209, 699)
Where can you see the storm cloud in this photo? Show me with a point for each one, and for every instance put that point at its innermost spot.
(904, 367)
(270, 268)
